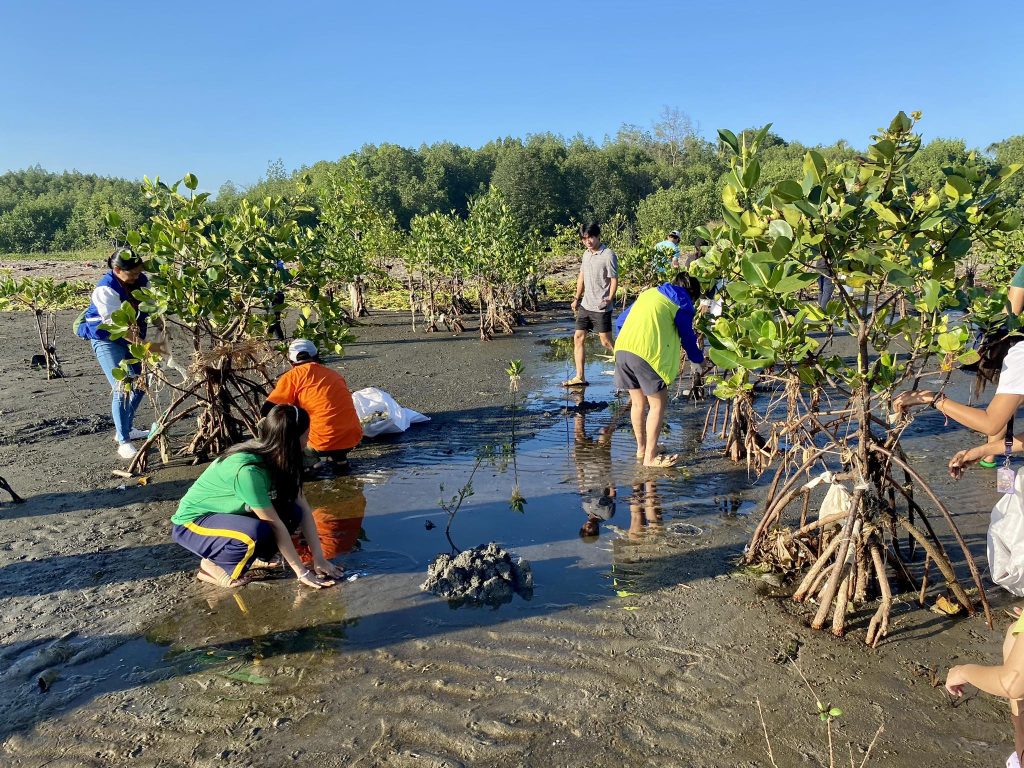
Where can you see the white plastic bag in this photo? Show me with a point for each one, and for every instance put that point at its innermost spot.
(1006, 540)
(381, 415)
(837, 500)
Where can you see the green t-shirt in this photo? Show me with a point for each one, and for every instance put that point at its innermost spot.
(1018, 279)
(229, 486)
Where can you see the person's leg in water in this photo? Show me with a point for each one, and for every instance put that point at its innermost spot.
(638, 417)
(655, 418)
(579, 349)
(109, 354)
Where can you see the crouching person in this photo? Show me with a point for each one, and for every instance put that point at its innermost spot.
(334, 427)
(240, 513)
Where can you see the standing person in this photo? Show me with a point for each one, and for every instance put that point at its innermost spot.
(647, 358)
(321, 392)
(671, 244)
(112, 290)
(595, 296)
(241, 511)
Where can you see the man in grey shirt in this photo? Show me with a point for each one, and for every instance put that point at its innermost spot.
(595, 297)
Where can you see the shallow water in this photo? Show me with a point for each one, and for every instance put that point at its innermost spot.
(385, 526)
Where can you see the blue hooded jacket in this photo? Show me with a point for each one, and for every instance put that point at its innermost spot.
(107, 297)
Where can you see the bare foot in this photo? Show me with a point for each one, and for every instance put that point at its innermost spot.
(641, 452)
(662, 461)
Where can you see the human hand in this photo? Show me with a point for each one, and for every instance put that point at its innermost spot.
(908, 399)
(574, 304)
(960, 460)
(326, 568)
(955, 681)
(310, 578)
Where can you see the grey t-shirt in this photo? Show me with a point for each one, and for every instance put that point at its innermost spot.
(598, 269)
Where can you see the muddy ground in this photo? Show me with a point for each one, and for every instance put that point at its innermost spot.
(96, 596)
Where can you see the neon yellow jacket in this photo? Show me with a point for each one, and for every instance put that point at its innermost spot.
(655, 327)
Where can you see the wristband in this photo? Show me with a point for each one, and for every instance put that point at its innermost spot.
(305, 574)
(939, 398)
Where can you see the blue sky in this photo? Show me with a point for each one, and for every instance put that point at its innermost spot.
(222, 88)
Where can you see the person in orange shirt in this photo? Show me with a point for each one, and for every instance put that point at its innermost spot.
(321, 392)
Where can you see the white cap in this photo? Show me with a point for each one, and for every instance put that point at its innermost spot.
(301, 349)
(674, 233)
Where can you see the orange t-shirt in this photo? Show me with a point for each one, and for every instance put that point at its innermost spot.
(323, 394)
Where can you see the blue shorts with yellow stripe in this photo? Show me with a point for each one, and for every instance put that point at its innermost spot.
(232, 541)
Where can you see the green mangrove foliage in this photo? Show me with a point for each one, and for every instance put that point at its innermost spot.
(218, 282)
(42, 296)
(891, 249)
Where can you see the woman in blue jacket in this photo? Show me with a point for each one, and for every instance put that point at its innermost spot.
(114, 288)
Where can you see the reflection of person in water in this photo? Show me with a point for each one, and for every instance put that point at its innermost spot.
(339, 521)
(644, 510)
(593, 458)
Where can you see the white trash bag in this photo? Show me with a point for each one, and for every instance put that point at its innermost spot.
(381, 415)
(1006, 540)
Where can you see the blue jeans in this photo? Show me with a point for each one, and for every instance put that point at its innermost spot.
(122, 405)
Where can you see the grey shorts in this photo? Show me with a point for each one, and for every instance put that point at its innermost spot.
(593, 321)
(633, 372)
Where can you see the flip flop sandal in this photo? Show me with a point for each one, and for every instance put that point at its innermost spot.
(576, 381)
(662, 462)
(273, 564)
(225, 581)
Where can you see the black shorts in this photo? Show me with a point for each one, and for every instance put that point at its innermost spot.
(593, 321)
(633, 372)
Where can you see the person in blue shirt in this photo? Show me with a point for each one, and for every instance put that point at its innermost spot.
(649, 336)
(113, 289)
(671, 244)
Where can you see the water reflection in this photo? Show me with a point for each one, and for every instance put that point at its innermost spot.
(592, 458)
(339, 521)
(645, 511)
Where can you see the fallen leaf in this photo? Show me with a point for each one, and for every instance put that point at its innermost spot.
(626, 593)
(945, 606)
(143, 481)
(631, 607)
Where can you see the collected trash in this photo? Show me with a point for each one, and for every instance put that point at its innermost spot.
(380, 414)
(486, 575)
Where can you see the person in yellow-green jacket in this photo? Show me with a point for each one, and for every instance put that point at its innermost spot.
(649, 335)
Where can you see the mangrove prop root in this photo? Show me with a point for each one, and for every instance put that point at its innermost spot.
(832, 586)
(952, 526)
(806, 586)
(924, 580)
(819, 580)
(879, 625)
(805, 507)
(860, 592)
(775, 506)
(942, 563)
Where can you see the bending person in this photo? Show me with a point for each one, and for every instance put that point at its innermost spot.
(112, 290)
(228, 517)
(334, 427)
(647, 358)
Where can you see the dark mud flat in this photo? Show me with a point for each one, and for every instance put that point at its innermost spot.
(643, 646)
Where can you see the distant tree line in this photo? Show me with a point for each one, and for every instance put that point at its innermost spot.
(43, 211)
(656, 179)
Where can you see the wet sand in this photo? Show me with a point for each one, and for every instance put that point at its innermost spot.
(645, 646)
